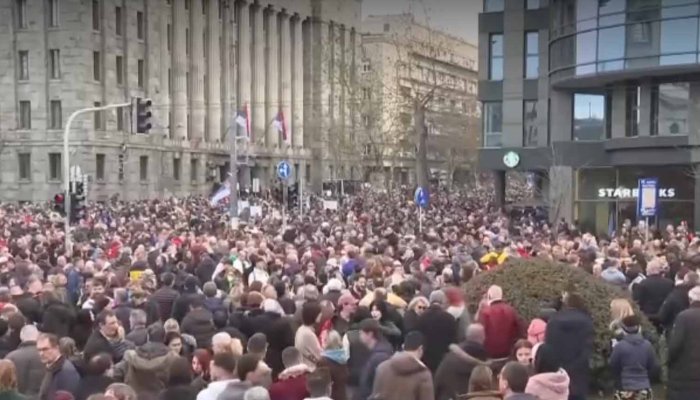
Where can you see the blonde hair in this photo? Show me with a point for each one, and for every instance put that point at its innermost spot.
(481, 379)
(8, 376)
(171, 325)
(333, 341)
(620, 308)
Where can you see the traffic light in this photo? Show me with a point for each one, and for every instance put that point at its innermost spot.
(141, 115)
(77, 202)
(59, 204)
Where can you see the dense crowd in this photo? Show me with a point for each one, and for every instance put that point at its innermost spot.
(163, 300)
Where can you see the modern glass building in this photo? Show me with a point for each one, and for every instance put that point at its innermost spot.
(590, 96)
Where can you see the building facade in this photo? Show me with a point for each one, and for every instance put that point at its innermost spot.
(404, 60)
(200, 61)
(591, 96)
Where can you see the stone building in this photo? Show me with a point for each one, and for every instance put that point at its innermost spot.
(200, 61)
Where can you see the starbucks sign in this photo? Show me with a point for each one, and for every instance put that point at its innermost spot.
(511, 159)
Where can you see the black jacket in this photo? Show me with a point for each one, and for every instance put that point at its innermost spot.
(200, 324)
(676, 302)
(97, 344)
(58, 318)
(123, 312)
(684, 356)
(651, 293)
(29, 307)
(181, 306)
(452, 376)
(165, 298)
(92, 384)
(570, 333)
(441, 327)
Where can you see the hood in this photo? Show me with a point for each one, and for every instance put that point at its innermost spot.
(634, 339)
(550, 384)
(150, 356)
(406, 364)
(294, 371)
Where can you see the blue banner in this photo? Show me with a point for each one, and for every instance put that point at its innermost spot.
(647, 197)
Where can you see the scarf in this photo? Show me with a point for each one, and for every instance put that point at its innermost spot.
(339, 356)
(48, 378)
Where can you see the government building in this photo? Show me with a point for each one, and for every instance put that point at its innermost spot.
(203, 63)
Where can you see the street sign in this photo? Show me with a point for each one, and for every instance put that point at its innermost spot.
(421, 197)
(283, 170)
(648, 197)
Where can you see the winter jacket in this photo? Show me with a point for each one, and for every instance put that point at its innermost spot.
(337, 366)
(441, 327)
(97, 344)
(291, 384)
(381, 352)
(684, 356)
(308, 345)
(403, 377)
(503, 328)
(452, 376)
(358, 355)
(676, 302)
(651, 293)
(200, 324)
(123, 314)
(633, 362)
(235, 390)
(165, 298)
(138, 336)
(58, 318)
(570, 333)
(146, 369)
(549, 386)
(29, 368)
(92, 384)
(62, 375)
(485, 395)
(181, 305)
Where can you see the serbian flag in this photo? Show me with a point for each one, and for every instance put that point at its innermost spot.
(280, 125)
(221, 194)
(242, 119)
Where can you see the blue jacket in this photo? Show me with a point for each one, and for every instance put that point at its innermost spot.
(381, 352)
(633, 362)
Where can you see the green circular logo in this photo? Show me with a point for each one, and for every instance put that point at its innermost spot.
(511, 159)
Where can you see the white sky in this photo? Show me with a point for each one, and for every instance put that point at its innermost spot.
(457, 17)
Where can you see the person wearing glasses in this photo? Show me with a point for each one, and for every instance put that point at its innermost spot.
(61, 374)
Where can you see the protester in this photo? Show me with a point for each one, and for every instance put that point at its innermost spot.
(513, 381)
(684, 352)
(404, 376)
(29, 366)
(501, 322)
(550, 381)
(250, 372)
(179, 382)
(291, 384)
(223, 373)
(380, 351)
(8, 381)
(60, 375)
(96, 378)
(481, 386)
(201, 361)
(306, 340)
(453, 374)
(335, 359)
(633, 362)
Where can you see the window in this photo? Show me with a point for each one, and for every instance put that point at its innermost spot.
(96, 70)
(589, 117)
(120, 70)
(25, 166)
(98, 117)
(139, 25)
(120, 166)
(21, 14)
(143, 168)
(54, 166)
(194, 163)
(670, 113)
(675, 40)
(532, 4)
(633, 115)
(56, 117)
(176, 168)
(55, 64)
(496, 57)
(23, 68)
(366, 66)
(187, 41)
(120, 119)
(25, 114)
(366, 93)
(530, 123)
(532, 55)
(54, 13)
(169, 35)
(118, 22)
(95, 15)
(493, 124)
(493, 5)
(365, 121)
(100, 167)
(141, 74)
(387, 27)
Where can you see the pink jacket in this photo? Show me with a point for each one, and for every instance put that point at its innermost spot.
(536, 330)
(549, 386)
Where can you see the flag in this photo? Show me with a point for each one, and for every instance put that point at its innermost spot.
(223, 192)
(280, 125)
(242, 120)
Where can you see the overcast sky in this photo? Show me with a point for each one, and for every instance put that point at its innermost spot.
(458, 17)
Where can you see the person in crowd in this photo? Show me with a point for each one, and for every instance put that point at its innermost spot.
(199, 323)
(257, 345)
(306, 340)
(174, 342)
(122, 309)
(222, 372)
(183, 303)
(29, 364)
(382, 312)
(570, 333)
(335, 359)
(404, 376)
(347, 306)
(212, 301)
(291, 383)
(453, 374)
(357, 351)
(457, 307)
(8, 381)
(416, 307)
(522, 352)
(652, 291)
(250, 372)
(380, 351)
(96, 378)
(201, 360)
(550, 381)
(58, 317)
(179, 382)
(513, 381)
(165, 296)
(138, 334)
(318, 383)
(501, 323)
(684, 352)
(60, 375)
(256, 393)
(481, 385)
(676, 302)
(620, 309)
(104, 338)
(222, 342)
(277, 329)
(440, 327)
(633, 362)
(120, 391)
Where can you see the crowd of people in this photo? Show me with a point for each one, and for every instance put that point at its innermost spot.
(163, 300)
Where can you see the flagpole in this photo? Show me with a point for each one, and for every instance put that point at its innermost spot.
(233, 178)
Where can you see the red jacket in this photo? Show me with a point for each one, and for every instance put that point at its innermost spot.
(291, 384)
(503, 328)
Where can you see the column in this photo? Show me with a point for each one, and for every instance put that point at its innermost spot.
(272, 78)
(298, 84)
(213, 72)
(285, 72)
(227, 77)
(499, 183)
(243, 54)
(179, 71)
(258, 102)
(197, 70)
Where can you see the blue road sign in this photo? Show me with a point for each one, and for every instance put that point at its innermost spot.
(647, 197)
(284, 170)
(421, 197)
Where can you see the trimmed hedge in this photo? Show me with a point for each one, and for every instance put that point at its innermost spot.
(528, 284)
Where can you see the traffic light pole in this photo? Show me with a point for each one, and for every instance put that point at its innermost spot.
(233, 178)
(66, 165)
